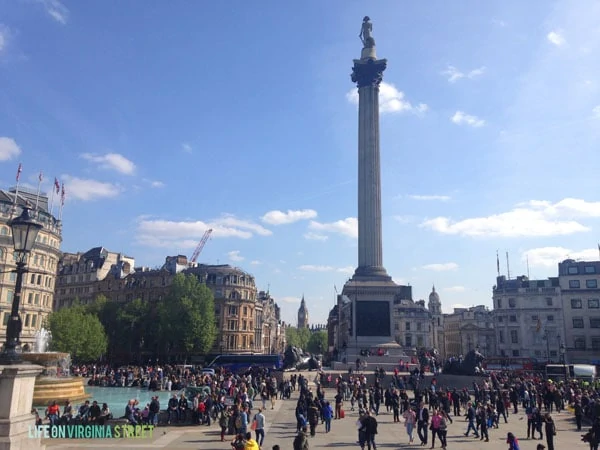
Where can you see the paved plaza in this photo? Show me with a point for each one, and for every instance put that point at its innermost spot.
(281, 428)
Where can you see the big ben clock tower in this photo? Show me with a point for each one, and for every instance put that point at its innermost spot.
(302, 314)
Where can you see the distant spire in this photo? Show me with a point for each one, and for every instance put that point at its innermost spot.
(433, 288)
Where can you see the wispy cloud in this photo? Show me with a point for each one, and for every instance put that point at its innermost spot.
(157, 184)
(551, 256)
(185, 234)
(56, 10)
(255, 262)
(187, 148)
(4, 37)
(499, 23)
(440, 267)
(391, 100)
(86, 189)
(455, 289)
(596, 112)
(311, 236)
(533, 218)
(556, 38)
(288, 299)
(317, 268)
(347, 227)
(234, 255)
(277, 217)
(8, 149)
(112, 161)
(461, 118)
(441, 198)
(454, 74)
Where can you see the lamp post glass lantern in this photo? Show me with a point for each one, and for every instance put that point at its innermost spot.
(24, 232)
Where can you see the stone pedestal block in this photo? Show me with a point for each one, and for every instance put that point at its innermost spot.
(16, 399)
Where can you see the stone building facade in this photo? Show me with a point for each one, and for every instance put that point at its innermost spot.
(469, 329)
(528, 317)
(579, 284)
(412, 324)
(37, 295)
(437, 322)
(247, 321)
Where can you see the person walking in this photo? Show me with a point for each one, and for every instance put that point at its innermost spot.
(327, 416)
(422, 423)
(410, 418)
(471, 419)
(550, 431)
(259, 426)
(370, 424)
(512, 441)
(436, 418)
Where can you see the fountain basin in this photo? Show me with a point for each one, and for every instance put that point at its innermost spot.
(48, 386)
(48, 389)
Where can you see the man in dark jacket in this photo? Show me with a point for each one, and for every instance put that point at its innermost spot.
(370, 425)
(422, 422)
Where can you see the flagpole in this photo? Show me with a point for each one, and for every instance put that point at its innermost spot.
(62, 201)
(17, 188)
(37, 197)
(52, 202)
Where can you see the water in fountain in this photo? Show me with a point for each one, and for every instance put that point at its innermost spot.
(42, 339)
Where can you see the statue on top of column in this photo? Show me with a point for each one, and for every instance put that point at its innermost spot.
(365, 33)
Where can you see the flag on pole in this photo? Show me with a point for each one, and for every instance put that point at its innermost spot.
(56, 185)
(497, 263)
(19, 170)
(41, 177)
(62, 195)
(37, 197)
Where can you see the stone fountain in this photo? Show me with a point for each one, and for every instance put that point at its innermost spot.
(54, 383)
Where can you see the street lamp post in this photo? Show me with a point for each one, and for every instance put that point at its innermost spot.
(24, 233)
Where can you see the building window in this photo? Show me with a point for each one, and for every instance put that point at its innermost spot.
(579, 343)
(512, 303)
(578, 322)
(30, 298)
(593, 303)
(575, 303)
(499, 303)
(420, 325)
(397, 326)
(33, 320)
(27, 320)
(501, 336)
(591, 284)
(550, 318)
(514, 338)
(596, 343)
(231, 325)
(419, 341)
(594, 322)
(515, 353)
(573, 270)
(574, 284)
(513, 318)
(245, 310)
(6, 318)
(407, 326)
(408, 340)
(500, 318)
(590, 269)
(534, 318)
(548, 301)
(553, 353)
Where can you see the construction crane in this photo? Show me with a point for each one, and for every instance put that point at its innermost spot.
(200, 246)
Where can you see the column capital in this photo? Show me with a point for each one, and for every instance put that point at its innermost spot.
(368, 72)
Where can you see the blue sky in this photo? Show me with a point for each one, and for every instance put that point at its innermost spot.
(166, 118)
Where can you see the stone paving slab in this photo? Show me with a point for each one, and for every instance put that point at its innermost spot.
(281, 427)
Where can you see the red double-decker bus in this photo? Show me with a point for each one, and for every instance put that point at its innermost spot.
(512, 364)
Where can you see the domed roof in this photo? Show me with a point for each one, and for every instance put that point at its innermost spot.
(434, 297)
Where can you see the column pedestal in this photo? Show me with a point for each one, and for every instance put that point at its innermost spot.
(16, 399)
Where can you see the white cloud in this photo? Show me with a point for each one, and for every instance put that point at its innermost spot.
(255, 262)
(187, 148)
(277, 217)
(8, 148)
(461, 118)
(556, 38)
(85, 189)
(551, 256)
(533, 218)
(56, 10)
(311, 236)
(317, 268)
(3, 37)
(234, 255)
(450, 308)
(440, 267)
(404, 219)
(596, 112)
(455, 289)
(113, 161)
(179, 234)
(391, 100)
(157, 184)
(441, 198)
(288, 299)
(454, 74)
(347, 226)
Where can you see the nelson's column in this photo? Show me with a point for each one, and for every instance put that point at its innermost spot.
(368, 297)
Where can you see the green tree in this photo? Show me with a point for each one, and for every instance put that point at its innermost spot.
(187, 317)
(298, 337)
(78, 332)
(317, 342)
